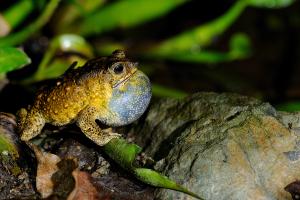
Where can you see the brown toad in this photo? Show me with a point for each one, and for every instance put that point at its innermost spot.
(109, 89)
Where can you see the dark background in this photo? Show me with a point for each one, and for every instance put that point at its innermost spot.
(270, 73)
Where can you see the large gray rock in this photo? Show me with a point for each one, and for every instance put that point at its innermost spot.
(222, 146)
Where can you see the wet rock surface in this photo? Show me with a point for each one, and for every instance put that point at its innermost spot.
(222, 146)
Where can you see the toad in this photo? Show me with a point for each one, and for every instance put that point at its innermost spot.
(109, 89)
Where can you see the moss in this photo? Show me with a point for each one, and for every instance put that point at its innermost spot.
(9, 155)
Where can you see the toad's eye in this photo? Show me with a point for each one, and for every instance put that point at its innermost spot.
(118, 69)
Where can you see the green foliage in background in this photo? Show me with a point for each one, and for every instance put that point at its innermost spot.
(14, 17)
(289, 106)
(271, 3)
(11, 59)
(19, 37)
(122, 14)
(52, 66)
(92, 18)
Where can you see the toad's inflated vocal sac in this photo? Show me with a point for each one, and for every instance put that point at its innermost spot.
(109, 89)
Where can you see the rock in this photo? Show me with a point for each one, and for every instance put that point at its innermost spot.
(222, 146)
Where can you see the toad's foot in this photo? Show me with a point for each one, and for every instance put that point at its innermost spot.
(107, 138)
(109, 131)
(109, 135)
(90, 128)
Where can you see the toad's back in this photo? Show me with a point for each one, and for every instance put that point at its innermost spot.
(60, 104)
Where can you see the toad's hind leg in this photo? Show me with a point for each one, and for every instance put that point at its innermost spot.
(87, 123)
(30, 125)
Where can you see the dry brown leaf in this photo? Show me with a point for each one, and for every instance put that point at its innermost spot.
(47, 166)
(84, 189)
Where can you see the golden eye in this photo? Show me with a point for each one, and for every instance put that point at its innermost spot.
(118, 69)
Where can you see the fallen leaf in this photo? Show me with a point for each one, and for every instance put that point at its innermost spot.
(47, 166)
(63, 180)
(84, 188)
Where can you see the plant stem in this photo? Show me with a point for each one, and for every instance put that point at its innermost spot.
(21, 36)
(18, 12)
(200, 36)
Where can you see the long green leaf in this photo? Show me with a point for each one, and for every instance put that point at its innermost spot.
(156, 179)
(73, 11)
(52, 66)
(18, 12)
(124, 154)
(21, 36)
(124, 14)
(12, 59)
(271, 3)
(240, 48)
(198, 38)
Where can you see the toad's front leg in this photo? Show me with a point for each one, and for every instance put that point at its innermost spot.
(87, 123)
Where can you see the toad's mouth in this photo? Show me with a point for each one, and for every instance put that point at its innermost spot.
(125, 79)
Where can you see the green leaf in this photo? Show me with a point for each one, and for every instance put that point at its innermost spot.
(289, 106)
(199, 57)
(12, 59)
(72, 11)
(123, 14)
(240, 46)
(57, 67)
(72, 43)
(124, 154)
(156, 179)
(52, 67)
(87, 5)
(271, 3)
(202, 36)
(19, 37)
(17, 13)
(108, 47)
